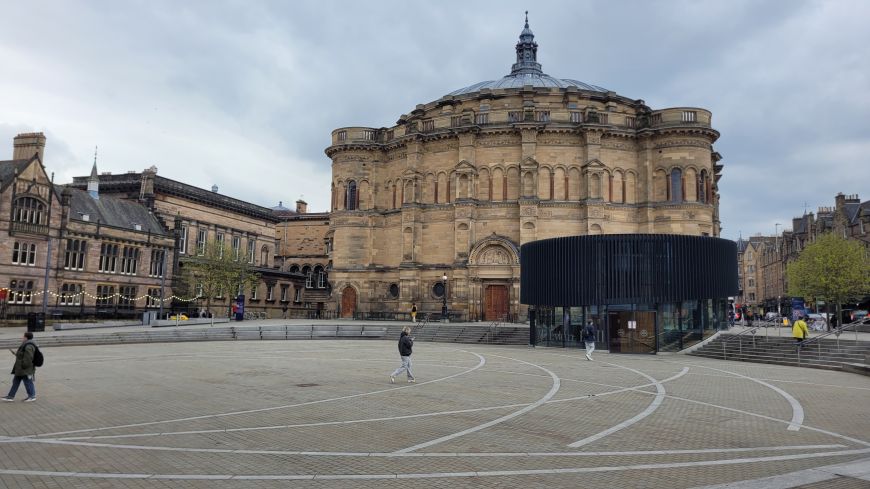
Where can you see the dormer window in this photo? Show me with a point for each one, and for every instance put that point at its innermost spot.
(429, 125)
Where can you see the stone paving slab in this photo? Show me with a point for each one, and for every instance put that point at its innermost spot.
(323, 414)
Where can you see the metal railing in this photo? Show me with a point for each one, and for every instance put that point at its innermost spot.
(739, 336)
(836, 331)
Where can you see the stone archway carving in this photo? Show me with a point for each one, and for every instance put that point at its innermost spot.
(494, 250)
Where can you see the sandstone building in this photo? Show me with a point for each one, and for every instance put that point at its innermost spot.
(196, 217)
(107, 254)
(458, 184)
(119, 243)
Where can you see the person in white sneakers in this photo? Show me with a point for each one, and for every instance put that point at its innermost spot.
(589, 339)
(406, 344)
(24, 369)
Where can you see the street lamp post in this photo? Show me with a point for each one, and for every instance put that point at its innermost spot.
(444, 299)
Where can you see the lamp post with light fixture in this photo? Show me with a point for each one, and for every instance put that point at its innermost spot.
(444, 299)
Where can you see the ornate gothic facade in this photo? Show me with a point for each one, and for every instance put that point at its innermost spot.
(456, 186)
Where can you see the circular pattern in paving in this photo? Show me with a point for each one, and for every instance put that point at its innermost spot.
(258, 414)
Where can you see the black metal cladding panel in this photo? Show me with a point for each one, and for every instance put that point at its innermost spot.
(626, 269)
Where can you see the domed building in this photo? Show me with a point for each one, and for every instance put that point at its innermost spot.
(433, 210)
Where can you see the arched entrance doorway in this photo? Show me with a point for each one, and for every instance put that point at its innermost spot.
(348, 302)
(494, 270)
(495, 302)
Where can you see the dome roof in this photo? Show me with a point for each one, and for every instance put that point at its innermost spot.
(522, 79)
(527, 71)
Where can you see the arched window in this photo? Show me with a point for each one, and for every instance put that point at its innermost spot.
(294, 269)
(351, 197)
(309, 279)
(319, 277)
(676, 185)
(29, 210)
(702, 187)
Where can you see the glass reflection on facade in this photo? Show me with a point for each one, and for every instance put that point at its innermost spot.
(633, 328)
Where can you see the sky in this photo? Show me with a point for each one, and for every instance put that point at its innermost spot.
(245, 94)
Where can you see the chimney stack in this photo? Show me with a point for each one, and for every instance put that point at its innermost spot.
(28, 144)
(301, 206)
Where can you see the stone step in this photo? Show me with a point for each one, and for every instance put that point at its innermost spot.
(773, 361)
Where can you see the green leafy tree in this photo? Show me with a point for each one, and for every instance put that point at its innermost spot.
(217, 273)
(832, 268)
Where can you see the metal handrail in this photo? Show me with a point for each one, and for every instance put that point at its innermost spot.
(740, 344)
(836, 331)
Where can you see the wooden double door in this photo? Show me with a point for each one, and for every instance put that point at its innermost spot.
(496, 302)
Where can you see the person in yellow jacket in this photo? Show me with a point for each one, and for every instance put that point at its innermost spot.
(799, 331)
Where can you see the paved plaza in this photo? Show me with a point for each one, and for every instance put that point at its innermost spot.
(256, 414)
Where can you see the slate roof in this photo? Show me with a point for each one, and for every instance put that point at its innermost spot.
(112, 211)
(851, 211)
(9, 168)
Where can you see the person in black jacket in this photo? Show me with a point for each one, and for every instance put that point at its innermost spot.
(24, 370)
(406, 343)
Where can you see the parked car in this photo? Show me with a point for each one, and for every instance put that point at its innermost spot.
(852, 315)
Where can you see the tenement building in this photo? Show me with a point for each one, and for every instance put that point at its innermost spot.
(433, 209)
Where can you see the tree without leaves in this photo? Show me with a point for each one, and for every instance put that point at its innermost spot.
(220, 272)
(832, 268)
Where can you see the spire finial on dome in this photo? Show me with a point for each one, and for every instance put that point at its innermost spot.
(527, 53)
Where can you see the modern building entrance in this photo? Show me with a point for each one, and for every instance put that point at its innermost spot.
(643, 292)
(631, 331)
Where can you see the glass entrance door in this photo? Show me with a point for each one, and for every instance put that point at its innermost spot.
(632, 331)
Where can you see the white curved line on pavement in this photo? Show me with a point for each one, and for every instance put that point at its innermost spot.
(481, 363)
(553, 390)
(49, 441)
(657, 401)
(618, 390)
(433, 475)
(797, 411)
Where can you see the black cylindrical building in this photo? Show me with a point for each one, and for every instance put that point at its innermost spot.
(658, 291)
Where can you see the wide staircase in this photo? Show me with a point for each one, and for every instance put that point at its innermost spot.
(828, 351)
(430, 332)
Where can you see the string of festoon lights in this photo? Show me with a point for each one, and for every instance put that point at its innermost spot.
(103, 297)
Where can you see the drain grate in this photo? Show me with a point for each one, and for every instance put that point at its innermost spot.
(307, 385)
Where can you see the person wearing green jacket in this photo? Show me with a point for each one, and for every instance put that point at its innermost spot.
(800, 332)
(24, 369)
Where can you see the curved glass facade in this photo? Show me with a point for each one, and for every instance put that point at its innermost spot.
(644, 293)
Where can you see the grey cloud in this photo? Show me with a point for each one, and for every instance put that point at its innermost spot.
(245, 94)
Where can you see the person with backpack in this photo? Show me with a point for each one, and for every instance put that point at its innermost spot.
(406, 343)
(27, 358)
(589, 338)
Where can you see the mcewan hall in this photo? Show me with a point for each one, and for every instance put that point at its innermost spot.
(526, 195)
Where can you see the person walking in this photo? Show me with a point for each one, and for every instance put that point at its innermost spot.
(284, 311)
(800, 332)
(24, 369)
(589, 339)
(413, 312)
(406, 344)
